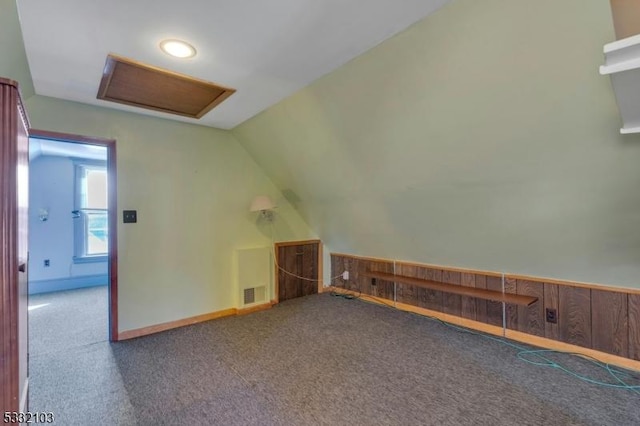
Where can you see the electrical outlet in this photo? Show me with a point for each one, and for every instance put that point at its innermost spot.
(552, 316)
(47, 263)
(345, 275)
(374, 282)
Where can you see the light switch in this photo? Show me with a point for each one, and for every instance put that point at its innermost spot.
(129, 216)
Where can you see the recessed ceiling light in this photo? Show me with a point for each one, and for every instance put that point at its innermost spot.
(178, 48)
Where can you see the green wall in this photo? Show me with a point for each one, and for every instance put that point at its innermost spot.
(192, 187)
(481, 137)
(13, 62)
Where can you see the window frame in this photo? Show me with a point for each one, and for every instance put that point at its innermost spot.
(80, 213)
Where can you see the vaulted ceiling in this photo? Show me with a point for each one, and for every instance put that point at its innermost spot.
(264, 50)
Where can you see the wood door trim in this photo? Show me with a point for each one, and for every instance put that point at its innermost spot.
(276, 254)
(296, 243)
(10, 131)
(110, 144)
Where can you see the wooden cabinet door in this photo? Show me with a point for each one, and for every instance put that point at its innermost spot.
(298, 269)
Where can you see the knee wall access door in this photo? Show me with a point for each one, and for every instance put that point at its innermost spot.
(298, 272)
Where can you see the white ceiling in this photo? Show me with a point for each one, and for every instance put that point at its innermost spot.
(266, 50)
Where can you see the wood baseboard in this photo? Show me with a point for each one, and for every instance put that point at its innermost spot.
(256, 308)
(139, 332)
(144, 331)
(529, 339)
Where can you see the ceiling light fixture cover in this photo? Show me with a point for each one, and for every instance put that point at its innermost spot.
(178, 48)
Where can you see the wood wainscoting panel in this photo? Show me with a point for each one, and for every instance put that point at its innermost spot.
(605, 320)
(355, 282)
(634, 326)
(431, 299)
(551, 301)
(407, 293)
(468, 304)
(511, 310)
(452, 302)
(337, 266)
(531, 318)
(382, 288)
(610, 322)
(494, 309)
(574, 315)
(481, 305)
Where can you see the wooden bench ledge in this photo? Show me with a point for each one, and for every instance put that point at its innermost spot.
(480, 293)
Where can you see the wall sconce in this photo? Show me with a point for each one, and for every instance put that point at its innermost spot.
(43, 215)
(264, 205)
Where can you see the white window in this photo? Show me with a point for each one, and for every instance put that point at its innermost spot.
(90, 214)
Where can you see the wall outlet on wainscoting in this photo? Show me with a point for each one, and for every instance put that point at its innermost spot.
(345, 275)
(552, 316)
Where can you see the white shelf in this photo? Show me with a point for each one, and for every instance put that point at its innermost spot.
(622, 64)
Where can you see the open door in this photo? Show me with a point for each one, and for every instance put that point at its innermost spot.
(14, 199)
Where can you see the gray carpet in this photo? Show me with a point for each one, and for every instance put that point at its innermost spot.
(65, 319)
(319, 360)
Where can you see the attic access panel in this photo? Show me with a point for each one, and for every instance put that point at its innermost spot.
(133, 83)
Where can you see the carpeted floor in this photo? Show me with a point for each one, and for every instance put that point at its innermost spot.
(319, 360)
(62, 320)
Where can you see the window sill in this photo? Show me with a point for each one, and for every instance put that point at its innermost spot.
(90, 259)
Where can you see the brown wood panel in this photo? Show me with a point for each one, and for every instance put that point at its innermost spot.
(468, 304)
(494, 309)
(355, 281)
(407, 293)
(340, 264)
(511, 309)
(481, 305)
(431, 299)
(309, 267)
(531, 318)
(285, 262)
(634, 326)
(606, 318)
(133, 83)
(607, 287)
(14, 197)
(610, 322)
(383, 288)
(574, 315)
(335, 270)
(298, 272)
(452, 302)
(455, 289)
(551, 301)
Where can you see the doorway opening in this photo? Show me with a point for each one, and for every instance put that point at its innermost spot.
(72, 237)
